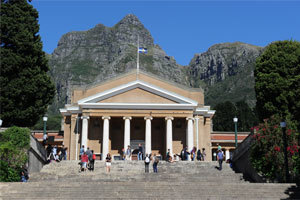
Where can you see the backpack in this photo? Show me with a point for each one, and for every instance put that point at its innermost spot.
(94, 156)
(220, 155)
(147, 160)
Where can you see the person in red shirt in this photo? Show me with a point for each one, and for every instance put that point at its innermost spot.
(84, 161)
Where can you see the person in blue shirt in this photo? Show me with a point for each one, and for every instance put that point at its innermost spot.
(220, 157)
(81, 151)
(140, 153)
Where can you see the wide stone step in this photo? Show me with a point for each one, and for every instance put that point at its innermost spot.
(127, 180)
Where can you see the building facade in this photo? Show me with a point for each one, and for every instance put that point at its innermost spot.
(136, 108)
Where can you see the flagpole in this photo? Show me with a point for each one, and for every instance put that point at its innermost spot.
(138, 59)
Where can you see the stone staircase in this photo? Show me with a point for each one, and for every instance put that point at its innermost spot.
(127, 180)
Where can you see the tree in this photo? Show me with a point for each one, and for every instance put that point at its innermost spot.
(222, 120)
(225, 112)
(26, 89)
(277, 80)
(246, 115)
(53, 123)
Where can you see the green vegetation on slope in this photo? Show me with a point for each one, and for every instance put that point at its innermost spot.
(14, 145)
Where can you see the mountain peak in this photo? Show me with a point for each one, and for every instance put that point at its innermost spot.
(131, 19)
(128, 30)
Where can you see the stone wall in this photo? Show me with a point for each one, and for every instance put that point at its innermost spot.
(241, 161)
(37, 156)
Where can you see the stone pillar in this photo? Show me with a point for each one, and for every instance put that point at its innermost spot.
(126, 132)
(169, 135)
(105, 141)
(148, 135)
(227, 154)
(84, 132)
(189, 135)
(197, 131)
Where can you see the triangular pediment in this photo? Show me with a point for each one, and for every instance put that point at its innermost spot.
(135, 93)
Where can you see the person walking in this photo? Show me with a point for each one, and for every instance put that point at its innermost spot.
(168, 156)
(219, 147)
(108, 162)
(199, 155)
(66, 153)
(128, 153)
(193, 153)
(186, 153)
(54, 151)
(84, 161)
(182, 154)
(123, 154)
(220, 157)
(81, 151)
(140, 153)
(147, 162)
(90, 156)
(62, 153)
(203, 154)
(155, 163)
(45, 136)
(92, 161)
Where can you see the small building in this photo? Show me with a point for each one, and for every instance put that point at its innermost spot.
(227, 142)
(136, 108)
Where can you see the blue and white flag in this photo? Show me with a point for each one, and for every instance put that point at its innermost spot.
(143, 50)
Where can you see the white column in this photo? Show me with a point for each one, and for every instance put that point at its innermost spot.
(148, 135)
(169, 134)
(105, 140)
(197, 131)
(190, 135)
(227, 154)
(126, 132)
(84, 132)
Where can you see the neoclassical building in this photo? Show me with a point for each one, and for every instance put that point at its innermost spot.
(136, 108)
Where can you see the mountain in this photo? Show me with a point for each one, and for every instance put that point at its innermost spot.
(225, 71)
(84, 57)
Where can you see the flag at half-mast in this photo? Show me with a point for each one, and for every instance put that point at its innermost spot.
(143, 50)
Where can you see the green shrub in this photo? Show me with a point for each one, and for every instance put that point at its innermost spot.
(14, 144)
(267, 150)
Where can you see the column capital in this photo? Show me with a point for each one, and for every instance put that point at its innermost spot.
(190, 118)
(106, 117)
(85, 117)
(127, 117)
(169, 118)
(197, 117)
(148, 117)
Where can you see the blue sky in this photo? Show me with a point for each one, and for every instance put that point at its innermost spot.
(181, 28)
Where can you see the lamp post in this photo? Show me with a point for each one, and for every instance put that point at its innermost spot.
(286, 164)
(235, 120)
(77, 132)
(45, 118)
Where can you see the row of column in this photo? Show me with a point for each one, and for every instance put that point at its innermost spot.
(169, 134)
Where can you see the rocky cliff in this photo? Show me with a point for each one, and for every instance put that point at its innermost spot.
(82, 57)
(226, 72)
